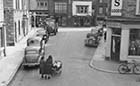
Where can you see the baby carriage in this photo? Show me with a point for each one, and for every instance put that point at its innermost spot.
(48, 71)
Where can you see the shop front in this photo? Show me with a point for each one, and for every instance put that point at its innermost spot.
(61, 19)
(81, 21)
(123, 41)
(113, 41)
(82, 13)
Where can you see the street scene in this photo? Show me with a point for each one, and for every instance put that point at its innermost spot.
(70, 43)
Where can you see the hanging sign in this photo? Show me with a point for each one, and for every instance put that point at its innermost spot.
(116, 8)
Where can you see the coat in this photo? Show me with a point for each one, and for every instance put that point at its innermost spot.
(42, 66)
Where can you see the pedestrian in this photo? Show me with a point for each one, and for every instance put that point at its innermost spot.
(49, 65)
(41, 67)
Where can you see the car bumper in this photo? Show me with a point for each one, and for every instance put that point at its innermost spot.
(30, 64)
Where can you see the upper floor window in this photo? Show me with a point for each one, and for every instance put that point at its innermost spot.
(60, 7)
(138, 7)
(81, 9)
(42, 4)
(100, 1)
(100, 10)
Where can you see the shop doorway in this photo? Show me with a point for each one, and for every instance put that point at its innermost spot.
(115, 48)
(115, 44)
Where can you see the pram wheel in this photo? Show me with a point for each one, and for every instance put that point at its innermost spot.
(47, 76)
(42, 76)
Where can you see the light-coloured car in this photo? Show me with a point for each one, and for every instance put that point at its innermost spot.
(33, 52)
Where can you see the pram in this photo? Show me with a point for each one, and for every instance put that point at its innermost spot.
(55, 69)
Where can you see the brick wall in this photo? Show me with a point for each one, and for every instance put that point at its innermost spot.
(129, 8)
(8, 18)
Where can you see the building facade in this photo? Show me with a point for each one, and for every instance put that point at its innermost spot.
(16, 19)
(123, 34)
(40, 9)
(2, 30)
(68, 12)
(101, 11)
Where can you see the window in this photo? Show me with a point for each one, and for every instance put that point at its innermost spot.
(81, 9)
(42, 3)
(60, 7)
(138, 7)
(134, 42)
(100, 10)
(100, 1)
(46, 4)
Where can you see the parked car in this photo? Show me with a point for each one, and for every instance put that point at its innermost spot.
(92, 41)
(52, 27)
(92, 33)
(43, 34)
(33, 52)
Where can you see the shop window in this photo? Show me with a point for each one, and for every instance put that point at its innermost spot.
(81, 9)
(116, 31)
(134, 42)
(60, 7)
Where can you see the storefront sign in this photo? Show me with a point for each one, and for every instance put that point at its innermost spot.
(116, 8)
(113, 24)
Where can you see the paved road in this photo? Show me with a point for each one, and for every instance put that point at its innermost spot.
(69, 48)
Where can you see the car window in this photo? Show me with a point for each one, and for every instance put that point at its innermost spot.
(34, 42)
(31, 52)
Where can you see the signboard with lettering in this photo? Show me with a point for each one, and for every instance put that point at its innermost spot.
(116, 7)
(113, 24)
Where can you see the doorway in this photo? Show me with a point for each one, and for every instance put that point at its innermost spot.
(115, 44)
(115, 48)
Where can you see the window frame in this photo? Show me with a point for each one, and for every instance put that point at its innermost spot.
(84, 8)
(135, 41)
(60, 7)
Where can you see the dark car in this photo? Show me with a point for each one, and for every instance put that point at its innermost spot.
(91, 42)
(52, 27)
(43, 34)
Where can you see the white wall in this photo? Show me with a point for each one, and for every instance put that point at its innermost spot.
(1, 13)
(74, 3)
(124, 43)
(108, 44)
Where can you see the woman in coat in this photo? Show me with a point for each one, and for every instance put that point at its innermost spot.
(49, 65)
(42, 65)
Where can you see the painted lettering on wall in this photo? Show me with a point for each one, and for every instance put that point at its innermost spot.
(116, 8)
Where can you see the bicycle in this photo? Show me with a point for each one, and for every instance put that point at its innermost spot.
(127, 67)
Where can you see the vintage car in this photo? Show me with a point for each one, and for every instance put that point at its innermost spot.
(33, 52)
(92, 41)
(52, 27)
(43, 34)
